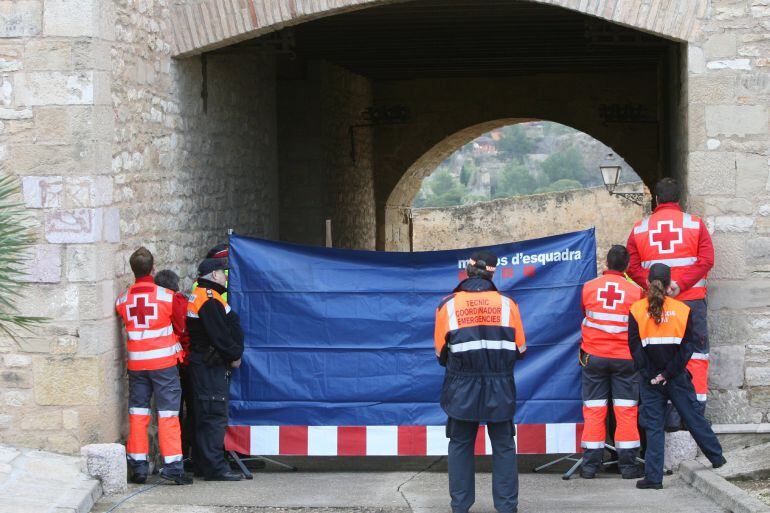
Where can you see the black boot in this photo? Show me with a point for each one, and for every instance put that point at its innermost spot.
(227, 476)
(643, 484)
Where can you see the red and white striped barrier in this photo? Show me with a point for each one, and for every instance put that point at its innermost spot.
(389, 440)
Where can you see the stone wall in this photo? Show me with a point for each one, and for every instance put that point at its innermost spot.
(319, 177)
(527, 217)
(114, 150)
(728, 76)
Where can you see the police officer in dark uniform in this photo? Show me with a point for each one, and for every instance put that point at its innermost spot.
(216, 346)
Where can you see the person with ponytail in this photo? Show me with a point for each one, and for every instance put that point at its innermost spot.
(661, 340)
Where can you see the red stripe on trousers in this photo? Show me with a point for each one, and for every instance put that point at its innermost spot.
(531, 438)
(578, 438)
(412, 441)
(351, 441)
(238, 439)
(292, 440)
(480, 446)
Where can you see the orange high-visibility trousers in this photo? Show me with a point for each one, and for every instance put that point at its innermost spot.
(165, 386)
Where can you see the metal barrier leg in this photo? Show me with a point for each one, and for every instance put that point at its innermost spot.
(569, 457)
(246, 472)
(568, 474)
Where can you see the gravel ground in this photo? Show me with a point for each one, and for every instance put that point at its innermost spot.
(759, 488)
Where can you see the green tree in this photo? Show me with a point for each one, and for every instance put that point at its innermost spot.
(565, 165)
(515, 143)
(559, 185)
(514, 180)
(444, 190)
(16, 237)
(467, 172)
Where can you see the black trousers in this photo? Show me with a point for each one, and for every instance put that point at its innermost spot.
(187, 413)
(210, 389)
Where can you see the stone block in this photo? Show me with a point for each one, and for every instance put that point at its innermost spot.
(43, 419)
(80, 225)
(753, 172)
(21, 18)
(58, 302)
(107, 462)
(15, 114)
(55, 88)
(711, 172)
(79, 18)
(88, 191)
(97, 301)
(758, 376)
(715, 206)
(732, 261)
(15, 378)
(732, 407)
(17, 361)
(758, 355)
(17, 398)
(733, 224)
(52, 125)
(711, 88)
(42, 191)
(696, 60)
(727, 364)
(759, 397)
(720, 45)
(740, 120)
(112, 225)
(100, 337)
(66, 381)
(42, 264)
(63, 443)
(679, 447)
(90, 263)
(734, 64)
(759, 249)
(70, 419)
(738, 295)
(754, 84)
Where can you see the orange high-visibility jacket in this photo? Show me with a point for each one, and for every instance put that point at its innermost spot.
(660, 348)
(482, 333)
(606, 303)
(146, 312)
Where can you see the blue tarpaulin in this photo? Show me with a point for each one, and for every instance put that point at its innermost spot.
(339, 337)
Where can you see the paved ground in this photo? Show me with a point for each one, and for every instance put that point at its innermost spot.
(42, 482)
(411, 488)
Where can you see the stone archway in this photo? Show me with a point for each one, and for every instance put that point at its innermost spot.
(203, 25)
(398, 208)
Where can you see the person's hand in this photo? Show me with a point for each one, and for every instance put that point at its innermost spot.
(673, 289)
(235, 364)
(658, 379)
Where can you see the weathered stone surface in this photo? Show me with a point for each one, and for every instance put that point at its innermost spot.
(55, 88)
(42, 191)
(737, 295)
(759, 397)
(79, 225)
(66, 381)
(17, 360)
(739, 224)
(712, 89)
(679, 447)
(727, 364)
(732, 407)
(42, 264)
(90, 263)
(107, 462)
(712, 172)
(753, 174)
(737, 64)
(738, 120)
(732, 261)
(720, 45)
(758, 376)
(88, 191)
(20, 18)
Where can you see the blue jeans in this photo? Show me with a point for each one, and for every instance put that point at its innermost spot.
(462, 471)
(652, 416)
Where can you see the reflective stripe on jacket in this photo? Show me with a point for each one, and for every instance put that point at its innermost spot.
(481, 331)
(146, 310)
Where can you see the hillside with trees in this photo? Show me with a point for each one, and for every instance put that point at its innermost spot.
(517, 160)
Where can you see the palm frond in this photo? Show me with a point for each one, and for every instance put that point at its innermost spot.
(16, 236)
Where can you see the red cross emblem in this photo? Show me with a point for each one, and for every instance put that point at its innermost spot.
(610, 296)
(665, 237)
(141, 312)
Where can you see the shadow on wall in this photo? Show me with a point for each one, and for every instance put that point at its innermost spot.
(528, 217)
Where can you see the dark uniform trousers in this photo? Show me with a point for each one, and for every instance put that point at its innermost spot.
(210, 388)
(187, 413)
(462, 471)
(652, 417)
